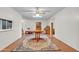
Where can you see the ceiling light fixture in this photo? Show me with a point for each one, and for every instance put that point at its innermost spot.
(37, 16)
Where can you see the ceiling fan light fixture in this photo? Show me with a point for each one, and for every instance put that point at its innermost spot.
(37, 16)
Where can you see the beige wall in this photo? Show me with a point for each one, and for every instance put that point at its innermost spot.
(32, 24)
(66, 24)
(9, 36)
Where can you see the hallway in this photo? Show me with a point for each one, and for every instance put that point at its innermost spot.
(39, 29)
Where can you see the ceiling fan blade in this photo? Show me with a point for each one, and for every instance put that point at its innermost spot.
(27, 11)
(36, 11)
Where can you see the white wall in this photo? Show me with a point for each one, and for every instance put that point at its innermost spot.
(66, 24)
(8, 37)
(32, 24)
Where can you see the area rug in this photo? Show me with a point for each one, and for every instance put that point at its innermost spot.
(50, 48)
(25, 47)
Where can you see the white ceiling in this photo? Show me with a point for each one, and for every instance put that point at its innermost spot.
(28, 12)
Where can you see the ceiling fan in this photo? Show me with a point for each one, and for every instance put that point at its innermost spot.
(37, 10)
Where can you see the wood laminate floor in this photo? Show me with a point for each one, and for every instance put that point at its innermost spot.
(63, 47)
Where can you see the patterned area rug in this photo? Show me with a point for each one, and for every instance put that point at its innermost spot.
(52, 48)
(24, 48)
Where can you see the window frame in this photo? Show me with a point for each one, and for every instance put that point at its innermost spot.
(8, 27)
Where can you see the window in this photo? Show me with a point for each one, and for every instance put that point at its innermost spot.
(5, 24)
(0, 24)
(9, 24)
